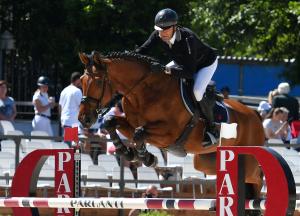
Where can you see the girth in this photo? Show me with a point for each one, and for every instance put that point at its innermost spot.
(177, 148)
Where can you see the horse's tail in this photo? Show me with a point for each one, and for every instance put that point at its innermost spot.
(259, 116)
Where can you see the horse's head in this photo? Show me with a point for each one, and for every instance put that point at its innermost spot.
(96, 87)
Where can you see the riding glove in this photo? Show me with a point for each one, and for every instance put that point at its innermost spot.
(156, 67)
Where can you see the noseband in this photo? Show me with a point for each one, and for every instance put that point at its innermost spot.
(87, 99)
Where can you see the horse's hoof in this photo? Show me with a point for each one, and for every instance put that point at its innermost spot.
(150, 160)
(139, 135)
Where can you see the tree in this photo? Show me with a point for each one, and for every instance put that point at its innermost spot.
(253, 28)
(50, 33)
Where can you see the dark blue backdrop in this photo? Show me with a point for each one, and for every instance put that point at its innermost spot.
(257, 80)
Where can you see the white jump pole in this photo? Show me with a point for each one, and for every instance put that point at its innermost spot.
(124, 203)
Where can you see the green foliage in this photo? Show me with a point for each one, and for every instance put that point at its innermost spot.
(50, 33)
(253, 28)
(155, 213)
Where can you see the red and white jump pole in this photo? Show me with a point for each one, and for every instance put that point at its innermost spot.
(124, 203)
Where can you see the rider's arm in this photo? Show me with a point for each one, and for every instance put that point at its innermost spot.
(148, 45)
(180, 72)
(40, 107)
(196, 52)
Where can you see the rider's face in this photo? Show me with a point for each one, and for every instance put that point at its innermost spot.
(166, 34)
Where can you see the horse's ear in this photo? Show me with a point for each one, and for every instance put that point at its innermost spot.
(84, 58)
(98, 58)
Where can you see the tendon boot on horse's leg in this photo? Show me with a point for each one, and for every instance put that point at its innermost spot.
(110, 125)
(146, 157)
(206, 107)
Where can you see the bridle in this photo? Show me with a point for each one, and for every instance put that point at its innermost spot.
(101, 111)
(103, 81)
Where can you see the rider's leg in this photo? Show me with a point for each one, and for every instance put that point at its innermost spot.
(205, 96)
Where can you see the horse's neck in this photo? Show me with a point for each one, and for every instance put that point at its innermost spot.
(126, 75)
(139, 85)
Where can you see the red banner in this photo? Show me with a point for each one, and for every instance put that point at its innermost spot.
(26, 176)
(281, 194)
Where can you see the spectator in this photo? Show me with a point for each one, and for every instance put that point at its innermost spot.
(225, 91)
(42, 105)
(117, 110)
(151, 192)
(274, 127)
(287, 101)
(271, 95)
(285, 120)
(8, 109)
(93, 146)
(69, 102)
(264, 108)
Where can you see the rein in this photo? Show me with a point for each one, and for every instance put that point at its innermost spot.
(88, 99)
(145, 76)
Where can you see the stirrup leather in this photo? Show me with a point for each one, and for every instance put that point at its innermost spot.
(208, 139)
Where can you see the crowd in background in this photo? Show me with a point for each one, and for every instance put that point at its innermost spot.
(280, 113)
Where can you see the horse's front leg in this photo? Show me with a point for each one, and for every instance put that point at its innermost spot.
(146, 157)
(111, 123)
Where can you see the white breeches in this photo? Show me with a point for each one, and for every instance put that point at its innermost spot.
(202, 79)
(40, 123)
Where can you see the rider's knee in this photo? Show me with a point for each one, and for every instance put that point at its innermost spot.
(198, 94)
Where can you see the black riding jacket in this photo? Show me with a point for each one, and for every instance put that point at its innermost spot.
(187, 51)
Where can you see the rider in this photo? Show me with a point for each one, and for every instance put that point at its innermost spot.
(192, 59)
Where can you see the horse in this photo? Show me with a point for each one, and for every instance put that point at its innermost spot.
(155, 113)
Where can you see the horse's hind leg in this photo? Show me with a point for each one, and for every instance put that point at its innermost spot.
(254, 182)
(251, 192)
(146, 157)
(253, 175)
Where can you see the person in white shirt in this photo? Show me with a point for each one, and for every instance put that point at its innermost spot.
(274, 127)
(42, 105)
(69, 102)
(285, 120)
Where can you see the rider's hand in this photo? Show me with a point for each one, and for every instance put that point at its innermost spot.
(157, 67)
(52, 104)
(168, 70)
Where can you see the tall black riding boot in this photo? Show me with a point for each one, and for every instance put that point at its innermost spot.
(206, 106)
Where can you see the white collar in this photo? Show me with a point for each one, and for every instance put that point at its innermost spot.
(172, 40)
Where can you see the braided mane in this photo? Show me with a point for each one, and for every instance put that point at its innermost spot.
(132, 56)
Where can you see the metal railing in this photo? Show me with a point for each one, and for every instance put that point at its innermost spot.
(121, 181)
(25, 110)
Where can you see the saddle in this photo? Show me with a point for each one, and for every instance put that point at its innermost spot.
(220, 112)
(220, 109)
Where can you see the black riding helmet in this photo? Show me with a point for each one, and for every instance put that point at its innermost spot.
(165, 19)
(43, 80)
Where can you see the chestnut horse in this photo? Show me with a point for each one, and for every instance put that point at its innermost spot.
(154, 111)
